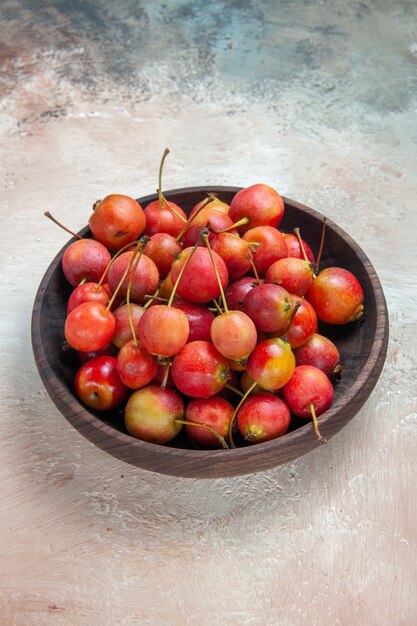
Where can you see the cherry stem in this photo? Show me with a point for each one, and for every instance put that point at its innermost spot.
(216, 271)
(241, 222)
(155, 297)
(320, 252)
(300, 241)
(211, 430)
(296, 306)
(129, 287)
(171, 208)
(82, 281)
(232, 421)
(140, 246)
(218, 309)
(51, 217)
(187, 224)
(152, 298)
(253, 266)
(239, 393)
(161, 166)
(174, 289)
(166, 374)
(315, 424)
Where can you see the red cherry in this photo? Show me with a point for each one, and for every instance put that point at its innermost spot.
(234, 251)
(294, 249)
(270, 307)
(136, 367)
(198, 282)
(294, 275)
(88, 292)
(320, 352)
(263, 417)
(160, 219)
(234, 335)
(199, 370)
(271, 364)
(261, 204)
(85, 259)
(89, 327)
(271, 247)
(123, 332)
(117, 220)
(163, 330)
(214, 412)
(237, 290)
(162, 248)
(303, 325)
(199, 318)
(336, 296)
(145, 280)
(98, 385)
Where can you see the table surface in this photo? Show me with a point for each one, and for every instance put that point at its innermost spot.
(317, 99)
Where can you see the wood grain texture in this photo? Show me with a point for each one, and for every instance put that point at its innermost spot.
(363, 347)
(315, 99)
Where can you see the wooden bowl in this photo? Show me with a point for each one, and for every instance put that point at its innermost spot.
(362, 346)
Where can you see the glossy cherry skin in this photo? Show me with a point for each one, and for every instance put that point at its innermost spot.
(237, 290)
(234, 335)
(98, 384)
(308, 385)
(234, 251)
(320, 352)
(215, 412)
(294, 249)
(270, 307)
(294, 275)
(336, 296)
(303, 325)
(145, 280)
(162, 248)
(198, 283)
(162, 219)
(123, 332)
(271, 247)
(271, 364)
(87, 292)
(151, 412)
(260, 203)
(217, 204)
(207, 218)
(89, 327)
(199, 318)
(199, 370)
(85, 259)
(117, 220)
(136, 367)
(262, 417)
(163, 330)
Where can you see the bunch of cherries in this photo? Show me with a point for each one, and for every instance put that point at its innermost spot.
(178, 314)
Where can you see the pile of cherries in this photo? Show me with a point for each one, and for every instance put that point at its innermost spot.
(207, 321)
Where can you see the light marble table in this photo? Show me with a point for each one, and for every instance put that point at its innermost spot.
(315, 98)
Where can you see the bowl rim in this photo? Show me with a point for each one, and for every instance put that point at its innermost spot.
(128, 445)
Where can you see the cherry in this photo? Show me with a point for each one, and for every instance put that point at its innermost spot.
(162, 249)
(215, 220)
(163, 216)
(263, 417)
(163, 330)
(199, 370)
(87, 292)
(270, 307)
(151, 414)
(336, 296)
(236, 291)
(247, 381)
(271, 246)
(85, 259)
(295, 275)
(211, 202)
(145, 277)
(123, 332)
(271, 364)
(259, 204)
(98, 385)
(136, 367)
(199, 317)
(116, 221)
(320, 352)
(214, 412)
(304, 323)
(199, 283)
(294, 248)
(309, 393)
(90, 326)
(234, 251)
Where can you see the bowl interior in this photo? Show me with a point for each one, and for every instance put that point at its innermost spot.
(362, 346)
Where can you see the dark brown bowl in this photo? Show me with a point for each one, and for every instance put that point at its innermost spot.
(362, 346)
